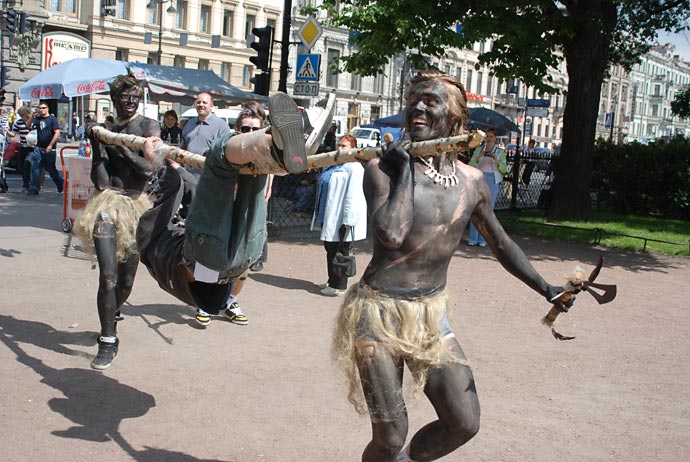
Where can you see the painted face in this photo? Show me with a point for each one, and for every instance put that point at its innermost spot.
(426, 113)
(127, 103)
(203, 105)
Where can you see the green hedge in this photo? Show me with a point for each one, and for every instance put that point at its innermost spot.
(651, 179)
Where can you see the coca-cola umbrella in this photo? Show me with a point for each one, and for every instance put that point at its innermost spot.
(76, 77)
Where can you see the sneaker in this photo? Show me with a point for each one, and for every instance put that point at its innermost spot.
(287, 130)
(320, 120)
(256, 267)
(332, 291)
(235, 315)
(323, 286)
(472, 244)
(482, 244)
(107, 352)
(202, 317)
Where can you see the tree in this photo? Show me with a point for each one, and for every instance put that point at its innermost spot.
(530, 38)
(680, 106)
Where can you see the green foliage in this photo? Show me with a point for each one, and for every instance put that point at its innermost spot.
(644, 180)
(680, 106)
(526, 34)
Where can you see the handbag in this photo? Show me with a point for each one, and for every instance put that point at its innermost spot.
(344, 264)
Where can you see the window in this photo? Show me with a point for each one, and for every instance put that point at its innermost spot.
(152, 57)
(122, 10)
(203, 65)
(248, 26)
(62, 6)
(480, 77)
(468, 83)
(205, 19)
(181, 14)
(458, 73)
(379, 81)
(489, 85)
(355, 82)
(180, 61)
(122, 54)
(375, 112)
(152, 15)
(331, 76)
(226, 71)
(246, 75)
(228, 16)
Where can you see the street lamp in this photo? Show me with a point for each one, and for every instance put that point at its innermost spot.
(171, 10)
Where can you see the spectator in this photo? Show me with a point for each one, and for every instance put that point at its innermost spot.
(170, 132)
(491, 160)
(75, 125)
(47, 132)
(341, 211)
(305, 192)
(21, 127)
(200, 131)
(81, 131)
(330, 141)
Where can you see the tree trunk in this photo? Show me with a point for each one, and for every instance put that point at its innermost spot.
(587, 60)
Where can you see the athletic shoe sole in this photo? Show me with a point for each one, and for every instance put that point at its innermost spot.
(203, 320)
(287, 129)
(320, 126)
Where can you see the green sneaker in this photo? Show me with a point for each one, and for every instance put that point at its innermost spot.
(235, 315)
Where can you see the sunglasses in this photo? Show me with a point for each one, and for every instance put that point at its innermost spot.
(43, 107)
(247, 129)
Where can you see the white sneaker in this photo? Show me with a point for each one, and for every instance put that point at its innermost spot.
(320, 120)
(323, 286)
(332, 291)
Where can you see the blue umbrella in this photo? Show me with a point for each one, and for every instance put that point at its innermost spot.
(482, 118)
(76, 77)
(395, 120)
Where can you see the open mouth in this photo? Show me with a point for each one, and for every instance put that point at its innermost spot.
(419, 122)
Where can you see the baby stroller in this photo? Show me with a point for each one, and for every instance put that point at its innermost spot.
(3, 178)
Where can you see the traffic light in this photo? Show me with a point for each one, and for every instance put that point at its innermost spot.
(3, 77)
(12, 21)
(22, 23)
(2, 95)
(261, 83)
(262, 60)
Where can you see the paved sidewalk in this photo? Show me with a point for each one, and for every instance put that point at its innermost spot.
(269, 392)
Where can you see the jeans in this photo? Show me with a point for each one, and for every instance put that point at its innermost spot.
(41, 159)
(223, 234)
(24, 165)
(475, 236)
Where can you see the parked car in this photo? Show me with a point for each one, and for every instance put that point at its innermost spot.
(228, 114)
(365, 137)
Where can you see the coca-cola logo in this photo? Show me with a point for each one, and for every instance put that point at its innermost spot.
(93, 87)
(39, 93)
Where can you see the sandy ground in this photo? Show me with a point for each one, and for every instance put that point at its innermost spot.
(269, 392)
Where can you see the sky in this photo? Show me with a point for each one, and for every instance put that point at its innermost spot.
(681, 41)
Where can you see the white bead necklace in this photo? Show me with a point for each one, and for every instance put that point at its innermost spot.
(447, 181)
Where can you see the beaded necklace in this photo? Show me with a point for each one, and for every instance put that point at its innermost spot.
(447, 181)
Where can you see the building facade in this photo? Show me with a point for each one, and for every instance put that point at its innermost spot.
(216, 35)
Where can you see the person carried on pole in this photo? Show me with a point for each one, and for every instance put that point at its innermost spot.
(225, 228)
(397, 314)
(120, 176)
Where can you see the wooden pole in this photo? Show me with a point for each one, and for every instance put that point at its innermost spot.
(459, 143)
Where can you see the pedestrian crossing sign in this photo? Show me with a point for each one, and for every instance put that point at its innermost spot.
(308, 67)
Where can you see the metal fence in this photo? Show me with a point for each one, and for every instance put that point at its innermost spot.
(525, 187)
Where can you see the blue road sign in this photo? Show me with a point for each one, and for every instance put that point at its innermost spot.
(538, 102)
(308, 67)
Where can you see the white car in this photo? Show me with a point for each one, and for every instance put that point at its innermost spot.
(366, 136)
(228, 114)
